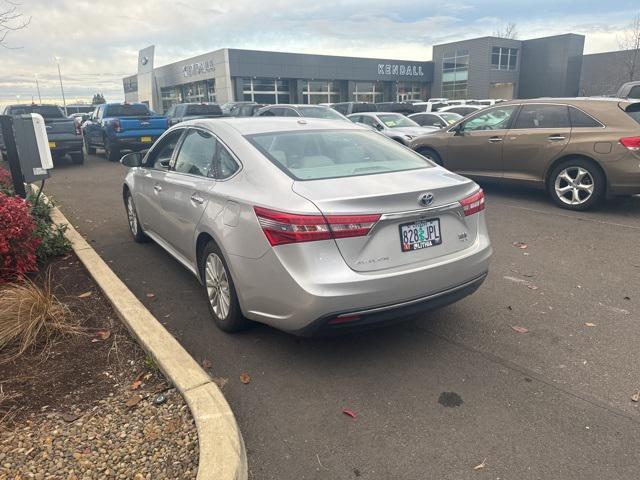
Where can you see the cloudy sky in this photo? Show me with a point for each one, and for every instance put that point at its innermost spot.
(98, 40)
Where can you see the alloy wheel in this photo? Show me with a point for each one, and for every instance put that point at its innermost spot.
(132, 217)
(574, 185)
(217, 284)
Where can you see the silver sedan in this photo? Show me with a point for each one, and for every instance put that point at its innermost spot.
(308, 225)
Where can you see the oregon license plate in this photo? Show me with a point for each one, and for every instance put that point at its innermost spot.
(52, 144)
(145, 139)
(420, 234)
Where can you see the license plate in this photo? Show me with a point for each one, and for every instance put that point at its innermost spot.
(145, 139)
(420, 234)
(52, 144)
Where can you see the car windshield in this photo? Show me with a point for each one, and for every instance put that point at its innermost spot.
(203, 110)
(47, 111)
(396, 120)
(320, 154)
(320, 112)
(451, 118)
(128, 110)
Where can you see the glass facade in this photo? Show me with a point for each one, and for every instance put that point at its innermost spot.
(320, 91)
(411, 91)
(368, 92)
(504, 58)
(196, 92)
(455, 74)
(266, 90)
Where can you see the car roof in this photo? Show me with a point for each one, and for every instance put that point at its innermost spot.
(295, 105)
(254, 125)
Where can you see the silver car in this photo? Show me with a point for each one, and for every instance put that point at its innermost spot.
(394, 125)
(306, 224)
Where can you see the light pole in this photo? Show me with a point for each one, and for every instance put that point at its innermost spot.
(64, 102)
(38, 87)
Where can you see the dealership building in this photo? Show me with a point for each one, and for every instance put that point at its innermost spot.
(487, 67)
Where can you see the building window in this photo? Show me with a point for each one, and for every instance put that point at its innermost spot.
(319, 91)
(265, 90)
(455, 72)
(130, 84)
(196, 92)
(411, 91)
(367, 92)
(503, 58)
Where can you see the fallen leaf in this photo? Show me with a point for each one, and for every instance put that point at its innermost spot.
(69, 417)
(481, 465)
(627, 298)
(532, 287)
(636, 396)
(85, 295)
(206, 364)
(133, 401)
(349, 413)
(245, 378)
(148, 375)
(136, 385)
(589, 324)
(519, 329)
(220, 381)
(101, 336)
(151, 295)
(509, 307)
(520, 245)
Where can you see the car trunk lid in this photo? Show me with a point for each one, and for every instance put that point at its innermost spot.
(142, 123)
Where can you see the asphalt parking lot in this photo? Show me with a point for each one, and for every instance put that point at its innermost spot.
(437, 395)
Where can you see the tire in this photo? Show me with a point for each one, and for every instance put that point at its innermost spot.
(77, 157)
(431, 154)
(111, 152)
(132, 217)
(218, 285)
(90, 150)
(576, 184)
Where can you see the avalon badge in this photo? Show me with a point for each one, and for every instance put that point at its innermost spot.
(425, 199)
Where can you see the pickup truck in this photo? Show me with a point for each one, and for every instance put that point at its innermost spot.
(122, 126)
(190, 111)
(63, 133)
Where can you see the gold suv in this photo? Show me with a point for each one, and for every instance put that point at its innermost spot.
(579, 149)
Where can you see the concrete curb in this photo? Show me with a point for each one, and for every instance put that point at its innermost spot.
(222, 451)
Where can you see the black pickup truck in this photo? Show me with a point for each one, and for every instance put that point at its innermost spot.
(63, 133)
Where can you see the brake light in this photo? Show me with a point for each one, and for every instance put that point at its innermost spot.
(632, 143)
(473, 203)
(282, 228)
(116, 125)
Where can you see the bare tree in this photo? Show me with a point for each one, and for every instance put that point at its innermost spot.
(507, 31)
(630, 43)
(11, 19)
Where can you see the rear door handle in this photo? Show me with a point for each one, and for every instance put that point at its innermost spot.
(195, 198)
(495, 139)
(157, 188)
(557, 137)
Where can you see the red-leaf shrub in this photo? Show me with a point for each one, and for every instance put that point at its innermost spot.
(17, 241)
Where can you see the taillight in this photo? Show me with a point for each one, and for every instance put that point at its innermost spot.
(632, 143)
(281, 228)
(473, 203)
(116, 125)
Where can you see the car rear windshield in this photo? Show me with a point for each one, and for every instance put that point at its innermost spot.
(128, 111)
(47, 111)
(320, 112)
(633, 111)
(320, 154)
(203, 110)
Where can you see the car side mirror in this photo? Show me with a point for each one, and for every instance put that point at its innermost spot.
(459, 129)
(132, 160)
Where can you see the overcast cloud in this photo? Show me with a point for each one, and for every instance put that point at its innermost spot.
(98, 40)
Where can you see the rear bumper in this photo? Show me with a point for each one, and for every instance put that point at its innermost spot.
(66, 145)
(624, 175)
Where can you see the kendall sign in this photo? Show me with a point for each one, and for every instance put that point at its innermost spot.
(198, 68)
(402, 70)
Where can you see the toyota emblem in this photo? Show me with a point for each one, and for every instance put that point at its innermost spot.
(425, 199)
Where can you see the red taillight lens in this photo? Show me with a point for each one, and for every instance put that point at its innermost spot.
(281, 228)
(116, 126)
(473, 203)
(632, 143)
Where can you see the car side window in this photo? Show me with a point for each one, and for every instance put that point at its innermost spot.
(196, 154)
(224, 165)
(367, 120)
(634, 92)
(269, 112)
(160, 155)
(341, 108)
(290, 112)
(494, 119)
(543, 116)
(580, 119)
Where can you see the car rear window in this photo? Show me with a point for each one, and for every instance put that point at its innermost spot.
(579, 119)
(320, 154)
(320, 112)
(633, 111)
(47, 111)
(203, 110)
(128, 111)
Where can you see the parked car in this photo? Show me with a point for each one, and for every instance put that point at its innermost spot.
(80, 118)
(629, 90)
(122, 126)
(226, 107)
(245, 110)
(579, 149)
(190, 111)
(394, 125)
(463, 110)
(486, 102)
(344, 228)
(404, 108)
(347, 108)
(63, 133)
(429, 106)
(288, 110)
(435, 119)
